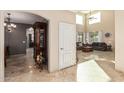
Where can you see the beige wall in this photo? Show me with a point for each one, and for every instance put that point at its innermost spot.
(55, 17)
(107, 25)
(119, 34)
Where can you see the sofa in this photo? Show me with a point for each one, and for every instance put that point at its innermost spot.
(79, 46)
(102, 46)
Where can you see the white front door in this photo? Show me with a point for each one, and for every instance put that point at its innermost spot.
(67, 45)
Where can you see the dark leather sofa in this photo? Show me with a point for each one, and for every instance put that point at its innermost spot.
(78, 46)
(102, 46)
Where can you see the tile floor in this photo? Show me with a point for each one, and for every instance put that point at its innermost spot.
(95, 66)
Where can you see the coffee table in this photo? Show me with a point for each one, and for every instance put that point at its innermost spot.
(87, 49)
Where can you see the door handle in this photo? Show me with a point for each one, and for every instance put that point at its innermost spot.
(61, 48)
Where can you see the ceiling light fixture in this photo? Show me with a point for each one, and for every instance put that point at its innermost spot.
(10, 26)
(90, 16)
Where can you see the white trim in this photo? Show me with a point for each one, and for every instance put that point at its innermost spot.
(1, 45)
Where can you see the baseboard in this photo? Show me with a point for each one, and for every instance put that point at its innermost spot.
(119, 68)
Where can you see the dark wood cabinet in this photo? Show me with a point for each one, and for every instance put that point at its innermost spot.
(6, 54)
(40, 42)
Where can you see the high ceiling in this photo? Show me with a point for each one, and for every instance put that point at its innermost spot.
(22, 17)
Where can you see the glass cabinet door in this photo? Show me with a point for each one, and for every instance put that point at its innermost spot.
(41, 39)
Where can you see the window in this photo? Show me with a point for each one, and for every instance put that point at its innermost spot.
(79, 19)
(79, 36)
(96, 36)
(95, 18)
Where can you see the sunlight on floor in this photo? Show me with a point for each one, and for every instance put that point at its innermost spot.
(96, 57)
(90, 71)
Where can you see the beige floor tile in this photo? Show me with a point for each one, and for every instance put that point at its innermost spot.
(97, 66)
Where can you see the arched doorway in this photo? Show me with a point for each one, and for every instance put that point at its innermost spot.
(47, 33)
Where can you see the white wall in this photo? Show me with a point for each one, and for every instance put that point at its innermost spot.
(119, 46)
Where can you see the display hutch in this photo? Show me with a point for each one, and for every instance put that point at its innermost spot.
(40, 43)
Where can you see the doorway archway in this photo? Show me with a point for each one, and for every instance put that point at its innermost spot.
(2, 43)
